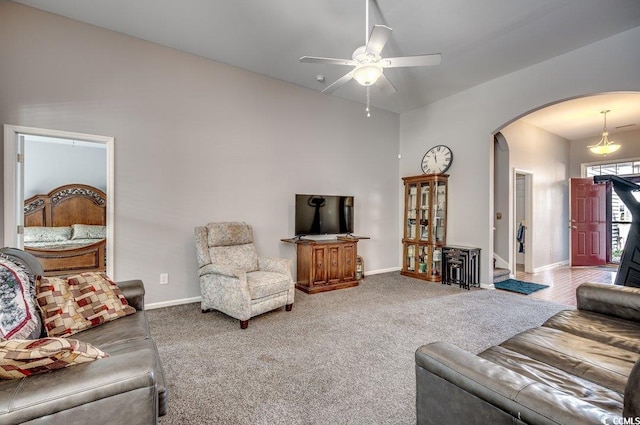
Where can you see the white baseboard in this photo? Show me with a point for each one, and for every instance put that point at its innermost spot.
(379, 271)
(172, 303)
(551, 266)
(162, 304)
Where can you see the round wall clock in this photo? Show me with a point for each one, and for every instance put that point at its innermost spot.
(437, 160)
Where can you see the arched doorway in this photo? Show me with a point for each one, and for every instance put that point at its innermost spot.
(550, 143)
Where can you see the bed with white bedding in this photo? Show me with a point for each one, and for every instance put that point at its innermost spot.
(66, 229)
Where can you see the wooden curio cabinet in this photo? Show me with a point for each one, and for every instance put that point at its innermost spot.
(425, 226)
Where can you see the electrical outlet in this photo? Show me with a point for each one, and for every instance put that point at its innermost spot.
(164, 278)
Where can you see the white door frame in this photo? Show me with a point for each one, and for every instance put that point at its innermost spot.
(14, 195)
(528, 217)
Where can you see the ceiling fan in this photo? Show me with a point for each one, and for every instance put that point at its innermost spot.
(368, 65)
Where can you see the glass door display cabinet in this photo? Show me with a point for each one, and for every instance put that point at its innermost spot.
(425, 226)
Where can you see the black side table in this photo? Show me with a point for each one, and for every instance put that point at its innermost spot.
(470, 257)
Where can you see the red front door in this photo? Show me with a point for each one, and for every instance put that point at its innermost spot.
(588, 223)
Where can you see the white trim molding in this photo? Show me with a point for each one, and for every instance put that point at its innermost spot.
(172, 303)
(551, 266)
(182, 301)
(380, 271)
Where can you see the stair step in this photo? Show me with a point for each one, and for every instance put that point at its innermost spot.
(500, 274)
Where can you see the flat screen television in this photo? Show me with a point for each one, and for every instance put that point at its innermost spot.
(323, 214)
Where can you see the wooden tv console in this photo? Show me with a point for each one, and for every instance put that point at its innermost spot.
(327, 264)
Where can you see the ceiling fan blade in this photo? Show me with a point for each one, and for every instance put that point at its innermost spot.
(385, 85)
(330, 61)
(379, 36)
(338, 83)
(405, 61)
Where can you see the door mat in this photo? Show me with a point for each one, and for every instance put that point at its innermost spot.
(519, 286)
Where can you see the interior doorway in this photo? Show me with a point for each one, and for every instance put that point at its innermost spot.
(15, 139)
(523, 221)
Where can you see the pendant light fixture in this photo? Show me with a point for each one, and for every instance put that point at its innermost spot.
(604, 146)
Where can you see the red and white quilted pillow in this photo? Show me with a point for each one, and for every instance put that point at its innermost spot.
(75, 303)
(20, 358)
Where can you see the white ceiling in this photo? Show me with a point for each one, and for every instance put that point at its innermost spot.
(479, 40)
(581, 118)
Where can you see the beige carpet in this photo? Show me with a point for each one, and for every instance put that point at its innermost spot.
(340, 357)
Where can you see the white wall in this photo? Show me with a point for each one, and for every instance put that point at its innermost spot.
(502, 204)
(49, 165)
(198, 141)
(546, 157)
(466, 122)
(629, 148)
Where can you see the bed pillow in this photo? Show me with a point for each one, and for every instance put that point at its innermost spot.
(47, 234)
(19, 316)
(88, 231)
(75, 303)
(20, 357)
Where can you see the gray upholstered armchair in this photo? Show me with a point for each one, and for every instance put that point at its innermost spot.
(233, 279)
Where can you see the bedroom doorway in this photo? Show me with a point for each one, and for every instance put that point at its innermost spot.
(26, 153)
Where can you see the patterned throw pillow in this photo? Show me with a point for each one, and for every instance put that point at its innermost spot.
(47, 234)
(20, 357)
(19, 316)
(86, 231)
(75, 303)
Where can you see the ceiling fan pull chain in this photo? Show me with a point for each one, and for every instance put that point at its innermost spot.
(368, 110)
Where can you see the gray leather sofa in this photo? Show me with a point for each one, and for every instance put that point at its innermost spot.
(580, 367)
(128, 387)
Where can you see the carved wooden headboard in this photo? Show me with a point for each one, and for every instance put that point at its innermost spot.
(67, 205)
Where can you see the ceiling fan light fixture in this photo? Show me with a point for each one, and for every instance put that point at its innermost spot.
(367, 74)
(604, 146)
